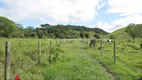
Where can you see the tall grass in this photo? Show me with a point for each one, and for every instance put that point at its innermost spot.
(128, 64)
(74, 64)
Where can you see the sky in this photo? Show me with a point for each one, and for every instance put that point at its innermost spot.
(108, 15)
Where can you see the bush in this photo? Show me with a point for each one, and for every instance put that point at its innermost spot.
(97, 36)
(81, 34)
(112, 37)
(55, 51)
(87, 35)
(141, 45)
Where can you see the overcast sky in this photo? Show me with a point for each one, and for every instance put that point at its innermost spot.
(108, 15)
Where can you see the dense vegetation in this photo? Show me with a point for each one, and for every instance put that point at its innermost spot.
(9, 29)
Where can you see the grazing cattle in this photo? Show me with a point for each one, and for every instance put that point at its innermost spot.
(109, 40)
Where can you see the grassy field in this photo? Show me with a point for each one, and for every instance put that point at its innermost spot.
(129, 59)
(78, 62)
(74, 64)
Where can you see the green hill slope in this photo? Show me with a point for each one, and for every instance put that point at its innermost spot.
(131, 31)
(120, 34)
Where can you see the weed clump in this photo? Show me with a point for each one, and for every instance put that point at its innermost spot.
(55, 51)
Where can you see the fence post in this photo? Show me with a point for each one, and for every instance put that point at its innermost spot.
(50, 46)
(95, 44)
(7, 61)
(60, 42)
(56, 41)
(39, 51)
(114, 50)
(101, 47)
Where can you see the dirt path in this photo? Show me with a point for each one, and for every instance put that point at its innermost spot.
(109, 74)
(105, 69)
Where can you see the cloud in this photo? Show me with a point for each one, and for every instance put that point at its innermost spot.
(104, 25)
(125, 7)
(50, 10)
(119, 23)
(129, 12)
(102, 3)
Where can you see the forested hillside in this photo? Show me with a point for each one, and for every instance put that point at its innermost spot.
(8, 28)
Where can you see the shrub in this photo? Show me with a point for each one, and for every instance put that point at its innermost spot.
(112, 37)
(141, 45)
(97, 36)
(55, 51)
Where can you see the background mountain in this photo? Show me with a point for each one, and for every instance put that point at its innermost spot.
(47, 31)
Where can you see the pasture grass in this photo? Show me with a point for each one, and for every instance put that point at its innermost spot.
(78, 62)
(129, 59)
(74, 64)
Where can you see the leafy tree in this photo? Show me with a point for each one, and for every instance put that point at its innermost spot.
(112, 37)
(135, 30)
(82, 34)
(7, 27)
(40, 33)
(19, 32)
(87, 35)
(97, 36)
(30, 32)
(45, 25)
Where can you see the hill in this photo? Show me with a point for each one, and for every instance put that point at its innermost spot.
(8, 28)
(130, 31)
(68, 31)
(121, 33)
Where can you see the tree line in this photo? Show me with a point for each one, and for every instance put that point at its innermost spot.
(10, 29)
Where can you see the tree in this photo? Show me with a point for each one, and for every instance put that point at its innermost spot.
(7, 27)
(97, 36)
(19, 32)
(81, 34)
(45, 25)
(135, 31)
(87, 35)
(112, 37)
(30, 32)
(40, 33)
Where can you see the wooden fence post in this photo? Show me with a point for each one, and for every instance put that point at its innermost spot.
(95, 44)
(39, 52)
(56, 41)
(50, 46)
(101, 47)
(60, 42)
(7, 61)
(114, 50)
(50, 57)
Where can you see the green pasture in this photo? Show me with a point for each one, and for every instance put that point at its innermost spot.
(77, 62)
